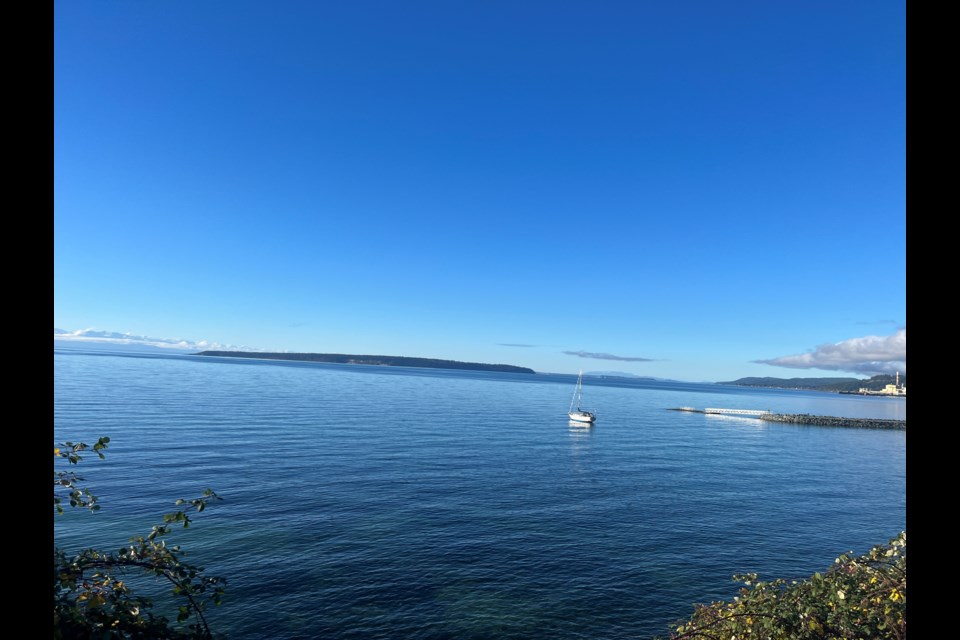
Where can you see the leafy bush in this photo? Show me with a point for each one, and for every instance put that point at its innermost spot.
(858, 597)
(92, 597)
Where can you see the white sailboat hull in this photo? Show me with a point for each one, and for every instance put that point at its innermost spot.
(582, 416)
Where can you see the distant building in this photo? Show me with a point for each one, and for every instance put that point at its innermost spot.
(890, 390)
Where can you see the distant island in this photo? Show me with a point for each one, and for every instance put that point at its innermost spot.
(628, 376)
(388, 361)
(833, 385)
(617, 374)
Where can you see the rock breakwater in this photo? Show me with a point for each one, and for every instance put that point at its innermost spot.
(832, 421)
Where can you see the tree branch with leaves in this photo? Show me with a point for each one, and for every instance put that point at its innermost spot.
(858, 597)
(92, 594)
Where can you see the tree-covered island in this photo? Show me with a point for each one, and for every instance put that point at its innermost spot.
(389, 361)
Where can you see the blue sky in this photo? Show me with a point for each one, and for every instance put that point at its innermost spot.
(714, 189)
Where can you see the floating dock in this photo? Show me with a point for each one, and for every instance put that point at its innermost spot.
(727, 412)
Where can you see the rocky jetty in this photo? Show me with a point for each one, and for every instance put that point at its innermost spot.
(832, 421)
(805, 418)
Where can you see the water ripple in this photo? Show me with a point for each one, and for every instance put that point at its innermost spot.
(366, 503)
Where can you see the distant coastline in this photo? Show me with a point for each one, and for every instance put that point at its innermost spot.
(388, 361)
(829, 385)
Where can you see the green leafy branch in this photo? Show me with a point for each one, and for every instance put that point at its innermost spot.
(66, 481)
(858, 597)
(90, 596)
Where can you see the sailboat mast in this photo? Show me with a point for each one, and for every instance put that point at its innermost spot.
(578, 392)
(574, 398)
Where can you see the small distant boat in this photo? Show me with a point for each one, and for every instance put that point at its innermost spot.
(580, 415)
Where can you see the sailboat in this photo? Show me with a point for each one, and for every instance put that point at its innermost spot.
(579, 415)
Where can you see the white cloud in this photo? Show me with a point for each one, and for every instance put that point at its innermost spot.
(92, 336)
(870, 355)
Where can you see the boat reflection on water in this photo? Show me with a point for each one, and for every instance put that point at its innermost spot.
(580, 433)
(580, 428)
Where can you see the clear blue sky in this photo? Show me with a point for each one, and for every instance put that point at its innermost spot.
(700, 184)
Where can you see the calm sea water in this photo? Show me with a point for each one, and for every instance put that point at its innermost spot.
(374, 502)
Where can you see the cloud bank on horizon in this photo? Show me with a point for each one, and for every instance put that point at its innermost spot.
(113, 337)
(606, 356)
(871, 355)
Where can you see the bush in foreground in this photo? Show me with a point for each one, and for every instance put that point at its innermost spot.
(858, 597)
(92, 594)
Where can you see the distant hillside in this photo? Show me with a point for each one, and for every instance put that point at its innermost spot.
(876, 383)
(629, 376)
(616, 374)
(390, 361)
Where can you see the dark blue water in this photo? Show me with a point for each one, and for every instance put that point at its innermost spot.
(375, 502)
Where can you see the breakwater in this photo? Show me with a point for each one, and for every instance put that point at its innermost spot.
(805, 418)
(833, 421)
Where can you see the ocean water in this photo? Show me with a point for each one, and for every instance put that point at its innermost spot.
(381, 502)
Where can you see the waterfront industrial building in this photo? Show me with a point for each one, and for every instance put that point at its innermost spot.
(895, 389)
